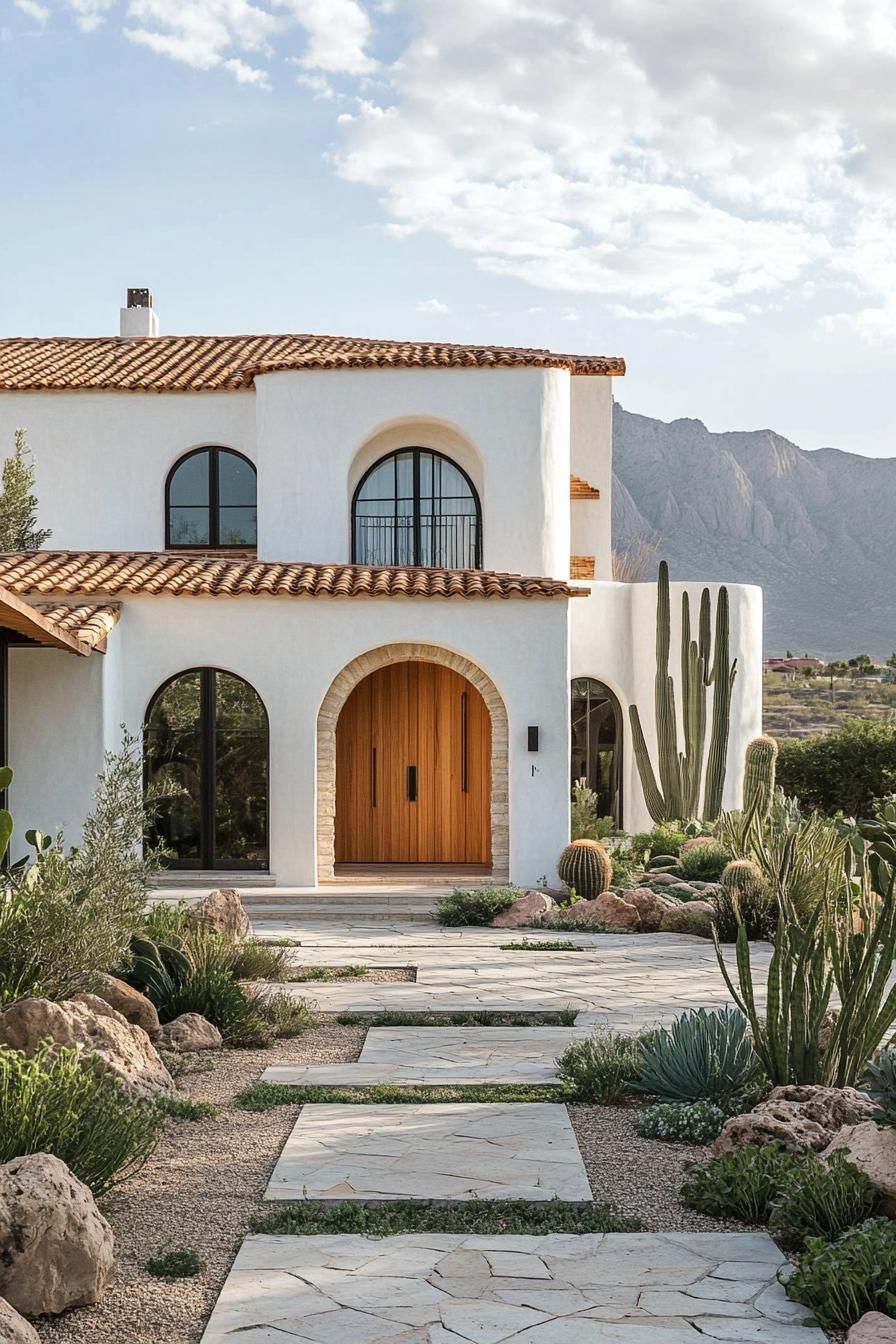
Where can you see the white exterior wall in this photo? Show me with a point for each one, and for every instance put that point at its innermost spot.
(102, 458)
(613, 639)
(291, 651)
(591, 457)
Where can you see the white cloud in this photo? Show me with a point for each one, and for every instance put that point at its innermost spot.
(433, 306)
(39, 13)
(338, 33)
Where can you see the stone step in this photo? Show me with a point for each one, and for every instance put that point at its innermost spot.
(337, 913)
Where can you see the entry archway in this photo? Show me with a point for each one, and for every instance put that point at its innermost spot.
(495, 787)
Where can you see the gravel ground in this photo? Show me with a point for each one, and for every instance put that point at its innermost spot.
(200, 1189)
(639, 1177)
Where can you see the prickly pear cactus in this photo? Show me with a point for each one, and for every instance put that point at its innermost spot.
(586, 866)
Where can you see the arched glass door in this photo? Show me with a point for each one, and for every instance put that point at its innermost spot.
(416, 507)
(597, 744)
(206, 751)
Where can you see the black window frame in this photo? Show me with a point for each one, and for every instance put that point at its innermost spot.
(416, 450)
(206, 861)
(214, 543)
(603, 693)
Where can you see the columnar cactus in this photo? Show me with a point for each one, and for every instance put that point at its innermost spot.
(759, 776)
(586, 866)
(705, 662)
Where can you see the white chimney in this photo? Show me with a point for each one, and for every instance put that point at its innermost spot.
(139, 318)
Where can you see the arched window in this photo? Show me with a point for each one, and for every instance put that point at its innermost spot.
(597, 744)
(210, 501)
(206, 754)
(416, 507)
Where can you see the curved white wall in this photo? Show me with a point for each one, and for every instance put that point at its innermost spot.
(613, 638)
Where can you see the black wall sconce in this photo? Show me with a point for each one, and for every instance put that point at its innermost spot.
(533, 737)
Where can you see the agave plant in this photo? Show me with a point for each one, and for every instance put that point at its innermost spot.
(703, 1056)
(880, 1083)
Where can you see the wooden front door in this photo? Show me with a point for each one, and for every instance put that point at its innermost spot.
(413, 769)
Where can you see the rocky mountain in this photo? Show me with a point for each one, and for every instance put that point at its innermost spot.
(815, 529)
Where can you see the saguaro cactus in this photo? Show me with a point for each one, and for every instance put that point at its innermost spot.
(759, 776)
(705, 662)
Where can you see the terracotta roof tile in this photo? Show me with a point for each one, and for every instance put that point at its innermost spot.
(216, 363)
(88, 623)
(580, 489)
(113, 573)
(581, 566)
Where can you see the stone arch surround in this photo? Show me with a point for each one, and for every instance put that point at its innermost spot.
(328, 717)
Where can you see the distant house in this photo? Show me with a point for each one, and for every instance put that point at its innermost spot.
(795, 666)
(358, 595)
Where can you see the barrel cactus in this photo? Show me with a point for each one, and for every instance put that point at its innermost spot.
(759, 775)
(743, 877)
(585, 865)
(743, 898)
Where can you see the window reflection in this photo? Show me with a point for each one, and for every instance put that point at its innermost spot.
(596, 753)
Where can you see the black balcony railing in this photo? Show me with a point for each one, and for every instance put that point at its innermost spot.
(446, 541)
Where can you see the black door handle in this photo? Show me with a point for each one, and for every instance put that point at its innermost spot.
(412, 783)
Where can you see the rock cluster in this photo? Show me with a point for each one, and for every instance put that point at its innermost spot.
(135, 1007)
(89, 1024)
(800, 1117)
(55, 1245)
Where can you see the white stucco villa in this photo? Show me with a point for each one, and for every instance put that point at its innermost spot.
(346, 586)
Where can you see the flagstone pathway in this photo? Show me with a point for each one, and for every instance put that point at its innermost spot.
(619, 1288)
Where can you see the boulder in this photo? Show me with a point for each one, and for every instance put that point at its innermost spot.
(799, 1117)
(223, 910)
(13, 1328)
(694, 917)
(606, 911)
(662, 879)
(89, 1024)
(683, 891)
(189, 1033)
(528, 909)
(55, 1245)
(873, 1328)
(650, 905)
(135, 1007)
(873, 1150)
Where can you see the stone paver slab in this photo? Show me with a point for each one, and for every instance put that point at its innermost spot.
(442, 1152)
(441, 1289)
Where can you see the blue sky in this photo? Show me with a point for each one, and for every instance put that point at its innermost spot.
(709, 191)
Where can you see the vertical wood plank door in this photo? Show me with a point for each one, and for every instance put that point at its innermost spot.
(413, 769)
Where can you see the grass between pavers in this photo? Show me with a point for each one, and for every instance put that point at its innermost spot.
(264, 1096)
(486, 1018)
(478, 1217)
(547, 945)
(298, 977)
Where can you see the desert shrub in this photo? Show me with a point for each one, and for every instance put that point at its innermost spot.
(477, 906)
(68, 915)
(840, 1280)
(743, 1183)
(703, 1056)
(166, 922)
(682, 1122)
(185, 1108)
(850, 770)
(215, 995)
(705, 862)
(258, 960)
(600, 1067)
(755, 908)
(665, 838)
(822, 1199)
(880, 1084)
(184, 1263)
(584, 823)
(54, 1102)
(284, 1013)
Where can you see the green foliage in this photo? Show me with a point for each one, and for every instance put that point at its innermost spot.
(600, 1067)
(266, 1096)
(299, 975)
(185, 1108)
(585, 867)
(492, 1217)
(705, 862)
(286, 1015)
(68, 916)
(743, 897)
(839, 1281)
(822, 1199)
(666, 838)
(849, 942)
(703, 1056)
(18, 502)
(802, 855)
(760, 764)
(55, 1102)
(585, 824)
(545, 945)
(477, 906)
(743, 1183)
(486, 1017)
(182, 1063)
(849, 770)
(696, 1122)
(184, 1263)
(167, 922)
(684, 775)
(256, 959)
(880, 1084)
